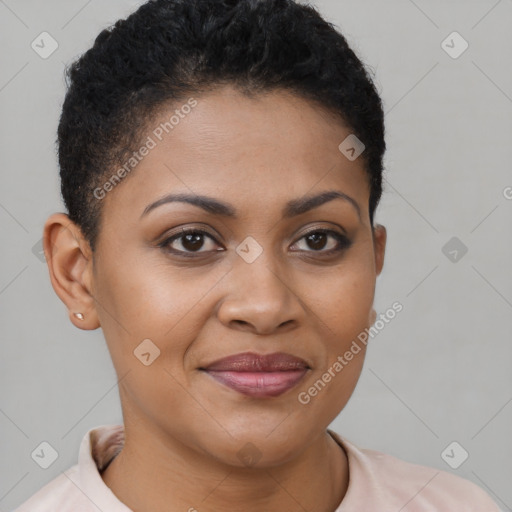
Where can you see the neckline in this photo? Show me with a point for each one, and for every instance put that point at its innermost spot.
(110, 439)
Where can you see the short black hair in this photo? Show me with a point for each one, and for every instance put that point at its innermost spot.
(169, 49)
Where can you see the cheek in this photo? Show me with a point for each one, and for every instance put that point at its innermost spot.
(343, 305)
(327, 392)
(153, 301)
(150, 318)
(147, 300)
(344, 299)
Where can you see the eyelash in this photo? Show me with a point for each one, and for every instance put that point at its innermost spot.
(343, 242)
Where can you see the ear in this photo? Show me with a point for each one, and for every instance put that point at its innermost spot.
(379, 246)
(69, 259)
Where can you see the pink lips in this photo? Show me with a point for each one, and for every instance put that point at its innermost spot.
(259, 375)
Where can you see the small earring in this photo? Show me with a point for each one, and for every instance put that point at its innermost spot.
(79, 316)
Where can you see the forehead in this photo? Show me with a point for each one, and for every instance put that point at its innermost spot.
(264, 149)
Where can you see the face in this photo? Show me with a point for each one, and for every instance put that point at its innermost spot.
(259, 269)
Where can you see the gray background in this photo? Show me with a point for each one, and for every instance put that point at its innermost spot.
(439, 372)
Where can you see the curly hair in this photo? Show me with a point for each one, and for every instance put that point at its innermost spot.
(169, 49)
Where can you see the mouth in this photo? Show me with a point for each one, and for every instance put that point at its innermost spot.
(258, 375)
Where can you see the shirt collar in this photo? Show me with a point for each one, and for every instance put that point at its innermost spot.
(98, 448)
(102, 444)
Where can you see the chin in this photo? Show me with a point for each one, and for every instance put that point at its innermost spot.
(261, 448)
(262, 455)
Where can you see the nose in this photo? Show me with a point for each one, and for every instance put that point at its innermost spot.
(260, 299)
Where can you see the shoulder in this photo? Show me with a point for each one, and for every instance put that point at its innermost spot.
(81, 488)
(410, 486)
(427, 486)
(60, 494)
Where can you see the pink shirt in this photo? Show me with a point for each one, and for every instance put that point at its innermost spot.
(377, 483)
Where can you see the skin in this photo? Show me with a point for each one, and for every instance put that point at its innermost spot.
(184, 430)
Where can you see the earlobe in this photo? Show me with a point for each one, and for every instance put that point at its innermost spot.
(373, 317)
(69, 261)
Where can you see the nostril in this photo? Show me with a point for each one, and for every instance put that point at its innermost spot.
(242, 323)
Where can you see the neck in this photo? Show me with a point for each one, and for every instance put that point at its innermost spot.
(151, 475)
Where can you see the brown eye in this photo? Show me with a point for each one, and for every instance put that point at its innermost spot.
(189, 241)
(325, 241)
(192, 242)
(317, 240)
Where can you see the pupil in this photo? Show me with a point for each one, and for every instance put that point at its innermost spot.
(315, 238)
(192, 241)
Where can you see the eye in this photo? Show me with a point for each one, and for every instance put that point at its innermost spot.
(192, 241)
(188, 241)
(318, 241)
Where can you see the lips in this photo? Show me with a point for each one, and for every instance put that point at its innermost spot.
(250, 362)
(258, 375)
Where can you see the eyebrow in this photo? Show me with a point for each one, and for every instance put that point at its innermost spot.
(291, 209)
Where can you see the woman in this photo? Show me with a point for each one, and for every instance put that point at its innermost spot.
(221, 164)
